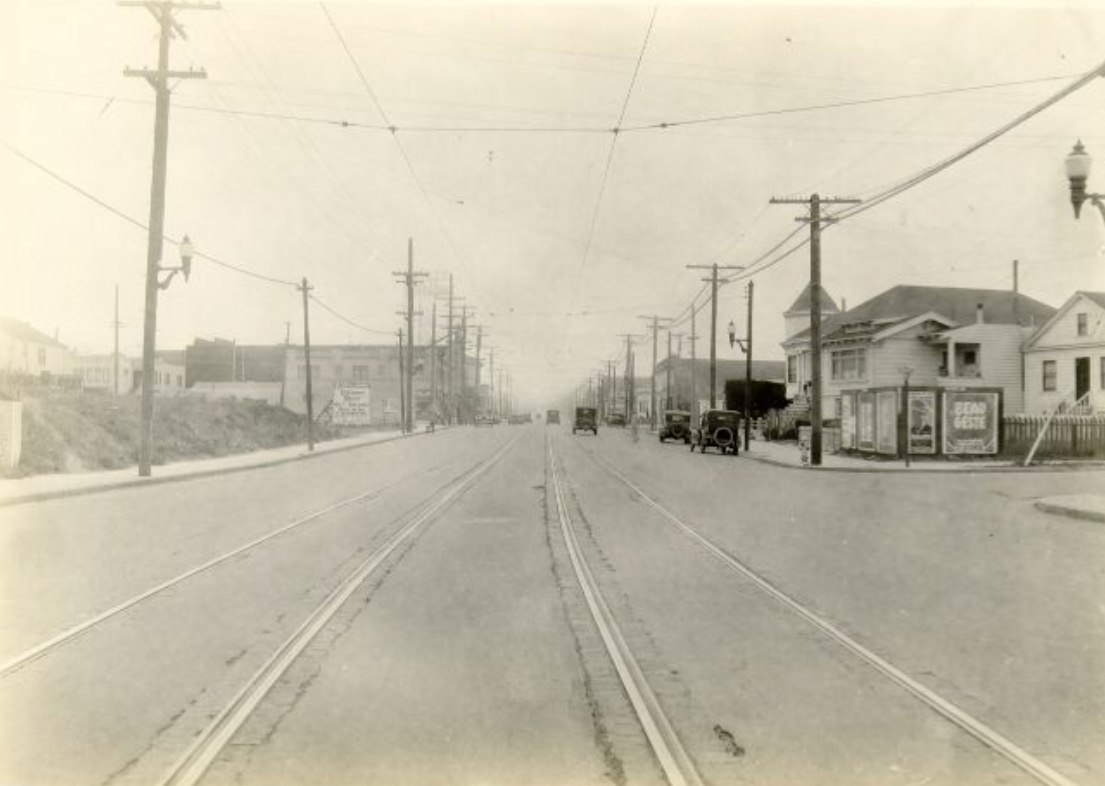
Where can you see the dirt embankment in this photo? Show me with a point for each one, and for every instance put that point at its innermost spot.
(85, 431)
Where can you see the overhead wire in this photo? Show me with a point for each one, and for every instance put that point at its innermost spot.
(614, 140)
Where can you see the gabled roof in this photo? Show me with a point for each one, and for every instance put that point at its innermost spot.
(1098, 298)
(959, 304)
(802, 304)
(21, 331)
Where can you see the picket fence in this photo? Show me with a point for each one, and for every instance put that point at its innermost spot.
(1068, 436)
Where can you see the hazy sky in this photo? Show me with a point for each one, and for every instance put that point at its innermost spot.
(501, 168)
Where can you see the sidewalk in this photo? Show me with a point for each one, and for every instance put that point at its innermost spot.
(1090, 507)
(38, 487)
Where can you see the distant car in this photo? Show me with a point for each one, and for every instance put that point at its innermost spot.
(717, 428)
(552, 416)
(615, 419)
(586, 420)
(676, 425)
(517, 420)
(484, 420)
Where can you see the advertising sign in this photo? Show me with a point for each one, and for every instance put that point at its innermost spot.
(865, 421)
(971, 422)
(922, 421)
(349, 406)
(848, 421)
(886, 430)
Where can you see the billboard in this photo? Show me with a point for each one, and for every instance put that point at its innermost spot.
(350, 406)
(922, 421)
(971, 420)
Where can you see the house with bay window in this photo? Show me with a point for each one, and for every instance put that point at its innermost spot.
(941, 338)
(1064, 359)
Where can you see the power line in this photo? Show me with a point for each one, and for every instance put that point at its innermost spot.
(131, 220)
(614, 141)
(349, 321)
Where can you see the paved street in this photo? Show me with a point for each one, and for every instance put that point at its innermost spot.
(747, 594)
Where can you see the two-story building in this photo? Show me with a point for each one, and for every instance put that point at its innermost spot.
(1064, 360)
(110, 373)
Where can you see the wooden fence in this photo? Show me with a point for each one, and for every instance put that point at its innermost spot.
(1068, 436)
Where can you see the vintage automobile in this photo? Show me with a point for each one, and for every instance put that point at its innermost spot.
(676, 425)
(717, 428)
(552, 416)
(586, 420)
(484, 420)
(615, 419)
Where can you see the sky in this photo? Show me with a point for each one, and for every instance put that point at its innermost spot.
(503, 169)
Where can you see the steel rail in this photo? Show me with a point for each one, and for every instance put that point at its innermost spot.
(676, 763)
(77, 630)
(192, 765)
(976, 728)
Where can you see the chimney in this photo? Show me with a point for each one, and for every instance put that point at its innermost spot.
(979, 318)
(843, 304)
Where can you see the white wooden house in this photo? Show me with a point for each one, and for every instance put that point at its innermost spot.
(946, 337)
(1065, 358)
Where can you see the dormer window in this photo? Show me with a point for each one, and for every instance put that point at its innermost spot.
(1083, 324)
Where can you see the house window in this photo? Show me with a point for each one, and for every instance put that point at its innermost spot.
(360, 374)
(970, 357)
(1083, 324)
(792, 369)
(849, 364)
(1049, 374)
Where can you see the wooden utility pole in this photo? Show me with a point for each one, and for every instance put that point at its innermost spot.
(652, 397)
(713, 322)
(433, 360)
(628, 373)
(162, 11)
(694, 366)
(748, 374)
(402, 390)
(410, 278)
(815, 220)
(305, 288)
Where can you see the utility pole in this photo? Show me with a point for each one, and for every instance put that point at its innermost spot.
(628, 372)
(305, 288)
(162, 11)
(652, 397)
(713, 322)
(491, 387)
(667, 377)
(433, 361)
(116, 324)
(449, 386)
(402, 391)
(463, 402)
(815, 220)
(479, 347)
(694, 366)
(748, 375)
(410, 278)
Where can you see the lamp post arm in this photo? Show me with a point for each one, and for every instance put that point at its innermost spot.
(1098, 201)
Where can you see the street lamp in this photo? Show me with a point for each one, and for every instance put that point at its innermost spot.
(185, 266)
(1078, 165)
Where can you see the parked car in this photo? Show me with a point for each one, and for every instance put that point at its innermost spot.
(717, 428)
(676, 425)
(586, 420)
(552, 416)
(615, 419)
(484, 420)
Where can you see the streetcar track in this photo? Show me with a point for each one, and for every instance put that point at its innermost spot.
(674, 761)
(951, 712)
(70, 634)
(211, 741)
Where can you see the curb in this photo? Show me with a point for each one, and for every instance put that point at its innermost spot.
(922, 470)
(40, 496)
(1071, 512)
